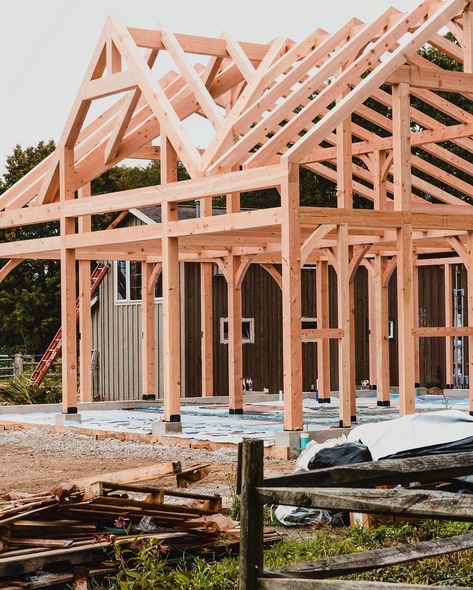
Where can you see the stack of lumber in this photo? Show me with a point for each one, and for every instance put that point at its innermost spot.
(77, 523)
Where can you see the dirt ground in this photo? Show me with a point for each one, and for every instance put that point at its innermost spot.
(36, 460)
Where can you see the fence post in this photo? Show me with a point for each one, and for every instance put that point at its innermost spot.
(251, 518)
(18, 367)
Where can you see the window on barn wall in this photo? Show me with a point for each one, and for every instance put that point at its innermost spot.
(247, 330)
(128, 282)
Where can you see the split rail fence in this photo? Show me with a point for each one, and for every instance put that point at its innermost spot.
(351, 488)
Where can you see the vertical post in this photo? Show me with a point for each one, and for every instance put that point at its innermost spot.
(448, 322)
(251, 517)
(344, 165)
(323, 346)
(148, 332)
(206, 313)
(351, 295)
(379, 178)
(372, 332)
(235, 346)
(415, 271)
(469, 273)
(171, 293)
(68, 289)
(85, 315)
(344, 315)
(291, 300)
(468, 39)
(405, 262)
(206, 322)
(381, 327)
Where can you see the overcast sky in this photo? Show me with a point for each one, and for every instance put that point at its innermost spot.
(45, 46)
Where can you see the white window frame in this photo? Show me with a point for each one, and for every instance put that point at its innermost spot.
(250, 340)
(127, 300)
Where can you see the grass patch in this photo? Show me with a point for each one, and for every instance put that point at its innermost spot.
(146, 568)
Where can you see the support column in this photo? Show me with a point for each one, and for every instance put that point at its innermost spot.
(449, 381)
(405, 262)
(323, 346)
(468, 39)
(171, 297)
(206, 322)
(68, 291)
(469, 273)
(291, 300)
(235, 345)
(381, 333)
(415, 271)
(344, 315)
(148, 330)
(372, 332)
(85, 313)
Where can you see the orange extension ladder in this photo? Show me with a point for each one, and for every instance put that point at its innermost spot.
(54, 349)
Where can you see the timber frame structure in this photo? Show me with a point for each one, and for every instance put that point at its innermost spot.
(274, 108)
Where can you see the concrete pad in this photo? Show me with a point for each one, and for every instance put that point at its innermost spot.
(160, 428)
(324, 434)
(289, 439)
(64, 419)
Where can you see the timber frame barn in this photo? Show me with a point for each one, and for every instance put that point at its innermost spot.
(274, 108)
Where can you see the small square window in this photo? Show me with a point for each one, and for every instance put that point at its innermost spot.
(247, 330)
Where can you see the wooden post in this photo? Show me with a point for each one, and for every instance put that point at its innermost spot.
(372, 332)
(171, 294)
(351, 295)
(405, 262)
(381, 327)
(344, 315)
(235, 346)
(415, 271)
(448, 322)
(68, 289)
(468, 39)
(469, 274)
(378, 171)
(323, 346)
(148, 330)
(206, 322)
(291, 300)
(85, 312)
(251, 516)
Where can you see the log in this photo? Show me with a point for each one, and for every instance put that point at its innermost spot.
(388, 471)
(342, 565)
(399, 502)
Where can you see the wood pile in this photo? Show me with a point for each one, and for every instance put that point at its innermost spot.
(78, 524)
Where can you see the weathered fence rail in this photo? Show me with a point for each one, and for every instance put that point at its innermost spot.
(349, 487)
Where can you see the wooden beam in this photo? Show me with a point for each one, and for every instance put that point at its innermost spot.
(68, 291)
(315, 334)
(148, 329)
(444, 80)
(401, 148)
(345, 384)
(469, 289)
(206, 319)
(381, 329)
(110, 85)
(240, 58)
(235, 345)
(442, 331)
(322, 288)
(291, 301)
(85, 312)
(314, 239)
(171, 294)
(448, 303)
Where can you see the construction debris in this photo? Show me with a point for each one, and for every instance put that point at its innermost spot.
(68, 531)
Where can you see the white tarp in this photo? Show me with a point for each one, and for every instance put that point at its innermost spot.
(413, 432)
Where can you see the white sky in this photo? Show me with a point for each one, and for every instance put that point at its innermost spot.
(45, 45)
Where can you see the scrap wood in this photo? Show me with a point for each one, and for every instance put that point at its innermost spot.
(192, 475)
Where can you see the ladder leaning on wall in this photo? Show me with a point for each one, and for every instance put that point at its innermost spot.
(54, 348)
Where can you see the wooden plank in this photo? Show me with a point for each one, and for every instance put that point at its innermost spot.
(469, 278)
(381, 327)
(270, 584)
(343, 565)
(291, 301)
(448, 305)
(314, 334)
(397, 502)
(252, 517)
(345, 384)
(109, 85)
(442, 331)
(426, 469)
(240, 58)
